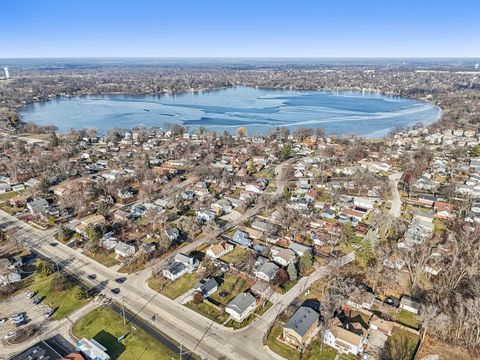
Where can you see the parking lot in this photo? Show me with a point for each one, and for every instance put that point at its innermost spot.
(34, 314)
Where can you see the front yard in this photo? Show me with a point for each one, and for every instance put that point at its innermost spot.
(105, 326)
(106, 258)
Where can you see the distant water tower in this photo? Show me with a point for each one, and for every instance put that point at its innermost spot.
(7, 73)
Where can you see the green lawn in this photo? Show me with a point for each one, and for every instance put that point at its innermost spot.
(233, 285)
(106, 258)
(287, 286)
(313, 351)
(65, 301)
(208, 311)
(402, 344)
(105, 326)
(173, 289)
(237, 253)
(408, 319)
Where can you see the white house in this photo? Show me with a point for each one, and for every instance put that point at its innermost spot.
(283, 257)
(267, 271)
(124, 250)
(218, 250)
(344, 341)
(241, 306)
(409, 305)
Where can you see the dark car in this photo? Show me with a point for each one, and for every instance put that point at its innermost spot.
(36, 300)
(116, 291)
(120, 280)
(53, 244)
(92, 276)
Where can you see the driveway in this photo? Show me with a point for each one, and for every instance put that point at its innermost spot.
(396, 208)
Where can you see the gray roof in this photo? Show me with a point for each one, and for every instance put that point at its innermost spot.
(269, 269)
(302, 320)
(241, 302)
(205, 286)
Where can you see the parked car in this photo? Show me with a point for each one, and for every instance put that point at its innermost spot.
(19, 315)
(49, 312)
(53, 244)
(10, 335)
(29, 294)
(36, 300)
(121, 280)
(92, 276)
(3, 320)
(116, 291)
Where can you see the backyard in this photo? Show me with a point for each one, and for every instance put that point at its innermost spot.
(232, 286)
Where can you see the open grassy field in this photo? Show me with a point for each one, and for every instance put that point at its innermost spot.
(105, 326)
(66, 301)
(173, 289)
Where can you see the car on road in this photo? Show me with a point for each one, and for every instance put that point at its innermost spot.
(3, 320)
(92, 276)
(121, 280)
(53, 244)
(29, 294)
(116, 291)
(10, 335)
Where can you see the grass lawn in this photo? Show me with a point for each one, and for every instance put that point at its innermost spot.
(313, 351)
(235, 254)
(173, 289)
(408, 319)
(64, 301)
(402, 340)
(208, 311)
(232, 285)
(105, 326)
(104, 257)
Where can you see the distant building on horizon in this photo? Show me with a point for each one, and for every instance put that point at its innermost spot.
(7, 73)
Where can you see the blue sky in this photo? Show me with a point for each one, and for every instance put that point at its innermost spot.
(203, 28)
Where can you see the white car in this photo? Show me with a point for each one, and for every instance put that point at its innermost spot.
(3, 321)
(29, 294)
(10, 335)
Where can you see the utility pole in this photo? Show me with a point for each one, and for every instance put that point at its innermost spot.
(123, 310)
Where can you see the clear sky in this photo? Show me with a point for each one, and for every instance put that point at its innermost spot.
(239, 28)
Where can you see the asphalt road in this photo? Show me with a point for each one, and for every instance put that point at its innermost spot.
(396, 208)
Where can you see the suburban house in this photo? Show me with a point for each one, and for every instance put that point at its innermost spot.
(205, 215)
(361, 299)
(206, 287)
(301, 326)
(223, 206)
(181, 264)
(241, 306)
(409, 305)
(283, 257)
(37, 207)
(89, 221)
(384, 326)
(343, 340)
(242, 239)
(267, 271)
(172, 233)
(299, 249)
(124, 250)
(218, 250)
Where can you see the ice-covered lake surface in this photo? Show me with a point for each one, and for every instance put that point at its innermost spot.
(259, 110)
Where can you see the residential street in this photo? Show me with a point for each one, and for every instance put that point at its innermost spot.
(396, 208)
(204, 337)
